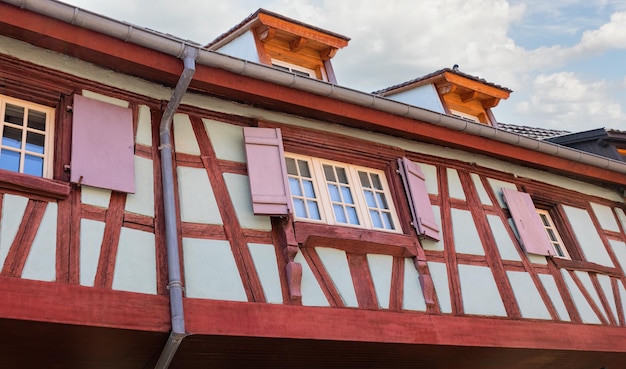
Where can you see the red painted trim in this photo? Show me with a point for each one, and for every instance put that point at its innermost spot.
(63, 241)
(603, 299)
(267, 320)
(74, 246)
(449, 251)
(596, 309)
(110, 240)
(23, 241)
(72, 304)
(362, 281)
(34, 187)
(618, 301)
(323, 278)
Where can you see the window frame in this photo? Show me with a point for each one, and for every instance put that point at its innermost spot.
(561, 251)
(293, 68)
(320, 184)
(48, 133)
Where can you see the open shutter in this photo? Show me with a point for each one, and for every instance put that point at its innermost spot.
(267, 171)
(102, 145)
(421, 209)
(531, 232)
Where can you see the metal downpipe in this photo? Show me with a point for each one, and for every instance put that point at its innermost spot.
(175, 285)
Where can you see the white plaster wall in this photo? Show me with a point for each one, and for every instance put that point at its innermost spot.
(184, 137)
(41, 261)
(622, 217)
(455, 188)
(104, 98)
(336, 264)
(95, 196)
(479, 291)
(607, 289)
(142, 201)
(555, 296)
(413, 294)
(197, 200)
(242, 47)
(135, 263)
(528, 298)
(430, 173)
(226, 139)
(14, 205)
(482, 193)
(619, 249)
(506, 247)
(584, 309)
(429, 244)
(91, 233)
(588, 238)
(312, 294)
(144, 126)
(585, 279)
(425, 96)
(264, 258)
(466, 239)
(439, 274)
(380, 270)
(605, 217)
(496, 187)
(211, 271)
(239, 191)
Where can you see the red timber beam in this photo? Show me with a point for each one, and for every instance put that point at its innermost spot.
(321, 323)
(79, 305)
(154, 66)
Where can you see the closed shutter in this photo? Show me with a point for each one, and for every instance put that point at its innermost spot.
(267, 171)
(419, 202)
(102, 145)
(531, 232)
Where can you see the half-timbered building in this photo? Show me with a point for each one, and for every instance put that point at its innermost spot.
(168, 204)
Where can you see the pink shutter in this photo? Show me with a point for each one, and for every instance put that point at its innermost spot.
(102, 145)
(531, 232)
(267, 171)
(421, 209)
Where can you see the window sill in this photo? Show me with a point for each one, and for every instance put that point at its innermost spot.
(586, 266)
(24, 183)
(357, 241)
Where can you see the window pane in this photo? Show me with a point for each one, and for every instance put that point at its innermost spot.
(551, 235)
(342, 177)
(340, 216)
(298, 204)
(12, 137)
(33, 165)
(354, 219)
(544, 219)
(14, 114)
(37, 120)
(347, 195)
(308, 189)
(387, 220)
(376, 181)
(304, 169)
(35, 142)
(10, 160)
(369, 198)
(382, 202)
(365, 180)
(376, 220)
(329, 173)
(294, 185)
(334, 193)
(291, 166)
(314, 211)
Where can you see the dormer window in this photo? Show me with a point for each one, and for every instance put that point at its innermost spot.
(288, 67)
(464, 115)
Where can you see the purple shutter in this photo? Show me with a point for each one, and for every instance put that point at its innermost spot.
(102, 145)
(531, 232)
(267, 171)
(419, 202)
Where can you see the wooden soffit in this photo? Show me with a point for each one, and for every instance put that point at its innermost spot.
(471, 90)
(300, 30)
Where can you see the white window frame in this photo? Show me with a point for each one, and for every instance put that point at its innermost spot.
(293, 68)
(323, 196)
(558, 246)
(460, 114)
(48, 133)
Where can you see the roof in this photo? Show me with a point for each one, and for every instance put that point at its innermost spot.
(254, 16)
(532, 132)
(437, 73)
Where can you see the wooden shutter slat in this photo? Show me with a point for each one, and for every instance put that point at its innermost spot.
(267, 171)
(419, 202)
(102, 145)
(531, 232)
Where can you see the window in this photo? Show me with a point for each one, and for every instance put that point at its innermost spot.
(553, 234)
(464, 115)
(340, 194)
(288, 67)
(27, 131)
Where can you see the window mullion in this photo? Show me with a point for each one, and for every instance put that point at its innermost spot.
(320, 180)
(359, 198)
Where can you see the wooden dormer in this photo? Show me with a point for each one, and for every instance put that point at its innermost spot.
(272, 39)
(460, 94)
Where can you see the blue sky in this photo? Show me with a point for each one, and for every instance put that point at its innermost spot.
(564, 59)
